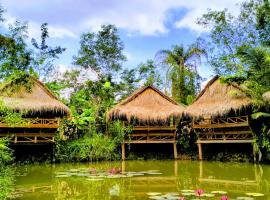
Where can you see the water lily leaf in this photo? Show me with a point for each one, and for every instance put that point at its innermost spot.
(153, 193)
(187, 191)
(156, 197)
(219, 192)
(253, 194)
(207, 195)
(244, 198)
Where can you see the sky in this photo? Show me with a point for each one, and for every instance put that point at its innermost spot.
(145, 26)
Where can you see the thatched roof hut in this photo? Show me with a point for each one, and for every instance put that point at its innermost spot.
(218, 99)
(147, 104)
(39, 101)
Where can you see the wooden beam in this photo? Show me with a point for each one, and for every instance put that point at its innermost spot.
(149, 141)
(123, 151)
(224, 141)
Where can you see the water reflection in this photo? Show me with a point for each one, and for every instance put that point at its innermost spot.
(237, 179)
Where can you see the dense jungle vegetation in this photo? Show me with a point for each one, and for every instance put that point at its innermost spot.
(236, 47)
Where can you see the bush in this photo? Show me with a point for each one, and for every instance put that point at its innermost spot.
(97, 147)
(5, 153)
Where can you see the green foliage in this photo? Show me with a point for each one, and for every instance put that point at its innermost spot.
(182, 70)
(14, 54)
(102, 51)
(6, 182)
(5, 153)
(228, 33)
(148, 72)
(96, 147)
(45, 55)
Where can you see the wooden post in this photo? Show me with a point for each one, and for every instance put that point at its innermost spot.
(15, 139)
(35, 139)
(174, 150)
(200, 151)
(123, 151)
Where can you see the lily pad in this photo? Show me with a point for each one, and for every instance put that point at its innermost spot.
(244, 198)
(207, 195)
(219, 192)
(153, 193)
(156, 197)
(254, 194)
(187, 191)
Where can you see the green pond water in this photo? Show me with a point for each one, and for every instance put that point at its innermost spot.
(141, 180)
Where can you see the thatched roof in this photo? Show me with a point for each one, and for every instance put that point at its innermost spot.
(38, 100)
(218, 99)
(147, 104)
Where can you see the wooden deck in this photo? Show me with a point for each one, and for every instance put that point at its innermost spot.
(30, 130)
(228, 122)
(23, 138)
(151, 134)
(233, 130)
(32, 123)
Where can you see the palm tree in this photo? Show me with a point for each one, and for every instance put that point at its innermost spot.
(182, 69)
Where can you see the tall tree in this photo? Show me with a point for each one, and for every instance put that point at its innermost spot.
(102, 51)
(182, 70)
(45, 55)
(229, 32)
(15, 56)
(149, 74)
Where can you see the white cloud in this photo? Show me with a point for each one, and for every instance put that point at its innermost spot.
(144, 17)
(34, 29)
(197, 8)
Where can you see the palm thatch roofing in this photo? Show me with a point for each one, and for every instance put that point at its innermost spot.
(218, 99)
(147, 104)
(39, 100)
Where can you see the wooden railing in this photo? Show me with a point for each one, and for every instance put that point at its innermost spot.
(152, 134)
(31, 123)
(226, 137)
(29, 137)
(221, 122)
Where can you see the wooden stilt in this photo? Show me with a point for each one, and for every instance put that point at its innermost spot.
(200, 151)
(123, 151)
(174, 150)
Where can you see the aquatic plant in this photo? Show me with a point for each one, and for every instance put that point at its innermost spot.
(199, 192)
(224, 197)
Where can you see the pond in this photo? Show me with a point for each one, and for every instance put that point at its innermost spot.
(165, 179)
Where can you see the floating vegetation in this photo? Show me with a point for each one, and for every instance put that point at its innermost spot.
(244, 198)
(167, 196)
(219, 192)
(153, 193)
(94, 175)
(253, 194)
